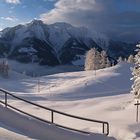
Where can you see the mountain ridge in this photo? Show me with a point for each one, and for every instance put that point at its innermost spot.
(62, 41)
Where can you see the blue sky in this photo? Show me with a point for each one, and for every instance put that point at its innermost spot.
(15, 12)
(118, 19)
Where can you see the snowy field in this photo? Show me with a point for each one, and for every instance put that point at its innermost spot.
(37, 70)
(101, 95)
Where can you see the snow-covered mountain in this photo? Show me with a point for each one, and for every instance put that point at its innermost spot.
(58, 43)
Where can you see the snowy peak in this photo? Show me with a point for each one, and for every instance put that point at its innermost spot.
(57, 34)
(37, 22)
(64, 41)
(18, 33)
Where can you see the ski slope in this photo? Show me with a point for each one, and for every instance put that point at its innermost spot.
(102, 95)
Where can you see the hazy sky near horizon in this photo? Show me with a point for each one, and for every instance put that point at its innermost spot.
(118, 19)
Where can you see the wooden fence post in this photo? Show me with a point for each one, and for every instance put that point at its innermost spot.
(137, 112)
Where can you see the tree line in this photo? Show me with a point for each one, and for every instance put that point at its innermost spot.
(98, 60)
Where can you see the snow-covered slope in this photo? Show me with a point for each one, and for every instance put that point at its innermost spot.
(104, 95)
(61, 32)
(41, 131)
(6, 134)
(84, 84)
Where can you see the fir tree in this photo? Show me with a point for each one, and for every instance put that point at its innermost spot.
(136, 75)
(92, 61)
(120, 59)
(130, 59)
(90, 57)
(104, 60)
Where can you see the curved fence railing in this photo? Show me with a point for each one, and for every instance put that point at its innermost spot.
(7, 94)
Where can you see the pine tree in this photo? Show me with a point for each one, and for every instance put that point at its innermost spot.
(136, 75)
(90, 57)
(4, 68)
(130, 59)
(98, 60)
(125, 60)
(104, 60)
(108, 64)
(120, 59)
(92, 61)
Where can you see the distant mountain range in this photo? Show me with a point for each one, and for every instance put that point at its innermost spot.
(55, 44)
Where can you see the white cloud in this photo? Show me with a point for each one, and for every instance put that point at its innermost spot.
(13, 1)
(70, 8)
(104, 16)
(12, 19)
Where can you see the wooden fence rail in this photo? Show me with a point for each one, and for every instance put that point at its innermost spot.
(105, 125)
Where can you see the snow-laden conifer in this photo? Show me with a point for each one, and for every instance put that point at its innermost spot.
(130, 59)
(92, 61)
(104, 60)
(136, 75)
(120, 59)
